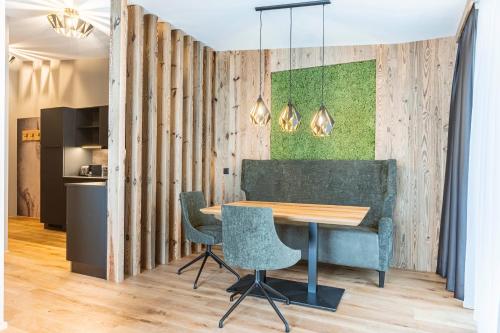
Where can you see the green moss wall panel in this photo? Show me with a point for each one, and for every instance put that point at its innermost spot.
(350, 99)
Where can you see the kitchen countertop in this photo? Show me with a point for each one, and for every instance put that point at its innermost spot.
(87, 184)
(86, 177)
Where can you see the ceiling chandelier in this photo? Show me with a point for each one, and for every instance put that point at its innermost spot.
(70, 24)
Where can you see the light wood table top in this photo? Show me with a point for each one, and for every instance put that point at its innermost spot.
(304, 213)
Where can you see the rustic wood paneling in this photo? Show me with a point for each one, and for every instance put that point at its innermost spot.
(311, 56)
(187, 135)
(221, 128)
(163, 143)
(236, 138)
(208, 77)
(116, 141)
(177, 62)
(168, 108)
(413, 94)
(197, 116)
(149, 139)
(133, 143)
(232, 183)
(197, 121)
(213, 157)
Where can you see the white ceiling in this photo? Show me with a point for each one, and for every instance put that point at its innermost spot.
(233, 24)
(31, 36)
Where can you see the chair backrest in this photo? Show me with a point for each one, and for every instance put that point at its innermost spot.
(334, 182)
(191, 203)
(249, 236)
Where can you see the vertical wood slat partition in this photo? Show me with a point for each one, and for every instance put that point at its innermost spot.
(187, 130)
(163, 147)
(133, 141)
(208, 76)
(197, 120)
(176, 142)
(149, 139)
(116, 140)
(165, 125)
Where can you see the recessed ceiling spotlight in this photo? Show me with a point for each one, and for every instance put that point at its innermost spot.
(70, 24)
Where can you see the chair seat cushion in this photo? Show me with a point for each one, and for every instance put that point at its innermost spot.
(348, 246)
(213, 233)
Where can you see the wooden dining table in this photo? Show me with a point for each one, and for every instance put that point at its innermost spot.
(306, 294)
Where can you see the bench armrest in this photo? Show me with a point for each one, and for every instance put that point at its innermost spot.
(385, 232)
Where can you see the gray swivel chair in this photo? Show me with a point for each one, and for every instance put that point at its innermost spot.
(251, 242)
(202, 229)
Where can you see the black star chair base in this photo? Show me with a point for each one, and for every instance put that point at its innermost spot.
(205, 255)
(201, 229)
(251, 242)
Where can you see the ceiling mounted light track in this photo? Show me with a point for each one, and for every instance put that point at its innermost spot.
(293, 5)
(70, 24)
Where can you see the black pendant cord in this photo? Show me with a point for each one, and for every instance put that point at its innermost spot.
(290, 62)
(323, 62)
(260, 55)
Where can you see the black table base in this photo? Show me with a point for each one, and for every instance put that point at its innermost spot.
(325, 298)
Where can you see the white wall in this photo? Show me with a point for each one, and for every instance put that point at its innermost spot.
(38, 85)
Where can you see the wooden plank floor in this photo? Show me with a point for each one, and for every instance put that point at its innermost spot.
(43, 296)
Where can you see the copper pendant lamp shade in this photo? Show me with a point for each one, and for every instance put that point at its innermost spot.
(260, 114)
(322, 122)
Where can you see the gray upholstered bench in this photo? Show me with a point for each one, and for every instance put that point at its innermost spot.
(335, 182)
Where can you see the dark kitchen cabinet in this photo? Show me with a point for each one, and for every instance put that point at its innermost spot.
(87, 228)
(63, 132)
(103, 126)
(57, 132)
(52, 190)
(92, 127)
(57, 127)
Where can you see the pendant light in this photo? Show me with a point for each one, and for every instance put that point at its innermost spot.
(289, 118)
(322, 123)
(260, 114)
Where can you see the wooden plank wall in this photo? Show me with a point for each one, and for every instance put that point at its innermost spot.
(413, 99)
(168, 98)
(413, 94)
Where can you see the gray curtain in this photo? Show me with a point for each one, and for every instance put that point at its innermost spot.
(452, 240)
